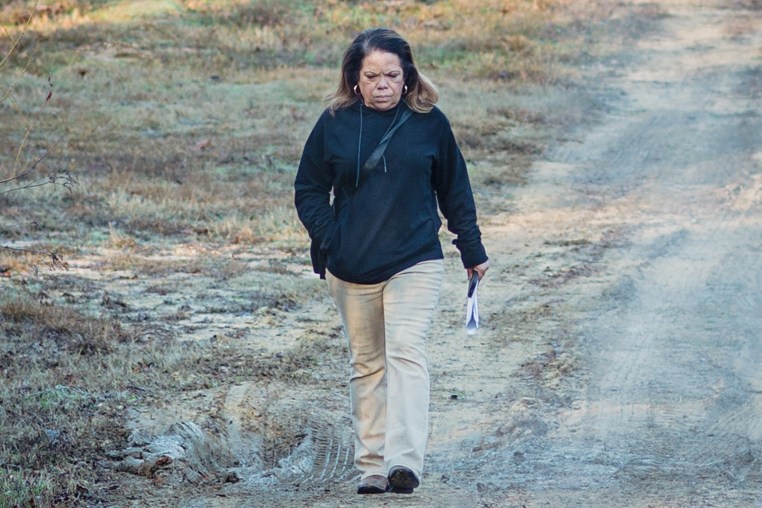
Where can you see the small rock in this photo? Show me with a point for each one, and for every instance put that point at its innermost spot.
(130, 465)
(52, 436)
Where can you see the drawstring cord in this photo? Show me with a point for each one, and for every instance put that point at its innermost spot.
(359, 143)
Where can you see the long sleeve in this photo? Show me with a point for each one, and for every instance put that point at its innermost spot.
(455, 198)
(312, 194)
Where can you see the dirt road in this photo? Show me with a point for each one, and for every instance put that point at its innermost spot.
(635, 255)
(618, 364)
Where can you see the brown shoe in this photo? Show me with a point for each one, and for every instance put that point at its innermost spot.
(402, 480)
(373, 484)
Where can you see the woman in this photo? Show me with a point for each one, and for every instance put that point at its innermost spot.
(377, 242)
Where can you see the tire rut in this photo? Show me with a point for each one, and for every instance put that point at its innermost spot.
(669, 360)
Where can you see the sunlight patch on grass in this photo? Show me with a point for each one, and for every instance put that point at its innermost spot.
(273, 225)
(128, 10)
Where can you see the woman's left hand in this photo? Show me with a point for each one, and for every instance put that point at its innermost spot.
(479, 269)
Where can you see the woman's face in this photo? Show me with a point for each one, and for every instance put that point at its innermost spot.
(381, 80)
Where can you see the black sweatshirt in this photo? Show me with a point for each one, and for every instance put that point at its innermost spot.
(390, 222)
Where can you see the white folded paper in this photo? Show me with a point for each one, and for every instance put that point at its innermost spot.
(472, 306)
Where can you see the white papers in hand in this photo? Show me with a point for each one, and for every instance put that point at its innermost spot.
(472, 307)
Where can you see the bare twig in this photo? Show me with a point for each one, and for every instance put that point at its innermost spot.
(20, 73)
(55, 260)
(64, 179)
(8, 95)
(31, 167)
(15, 42)
(27, 133)
(20, 168)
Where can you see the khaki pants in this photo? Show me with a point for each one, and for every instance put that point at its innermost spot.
(386, 326)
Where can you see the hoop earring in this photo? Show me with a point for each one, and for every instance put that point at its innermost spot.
(355, 90)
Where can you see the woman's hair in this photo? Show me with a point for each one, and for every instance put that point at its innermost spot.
(421, 93)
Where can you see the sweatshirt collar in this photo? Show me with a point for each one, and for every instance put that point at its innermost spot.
(370, 111)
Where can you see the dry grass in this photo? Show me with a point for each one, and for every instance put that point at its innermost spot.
(183, 121)
(69, 377)
(62, 376)
(193, 129)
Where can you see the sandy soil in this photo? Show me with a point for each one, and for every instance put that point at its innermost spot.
(618, 360)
